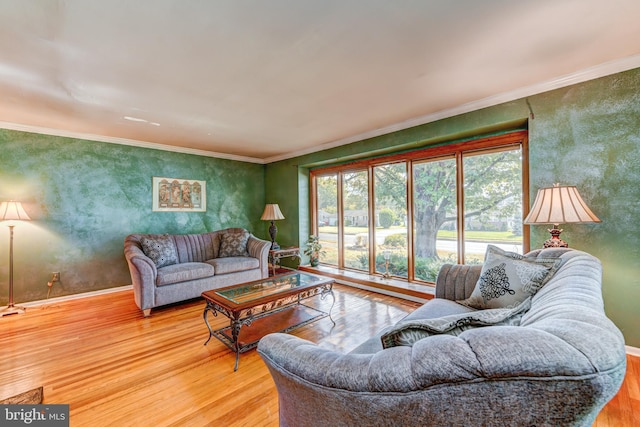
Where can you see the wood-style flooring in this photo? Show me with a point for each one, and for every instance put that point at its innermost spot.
(114, 367)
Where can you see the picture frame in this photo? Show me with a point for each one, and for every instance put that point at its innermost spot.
(179, 195)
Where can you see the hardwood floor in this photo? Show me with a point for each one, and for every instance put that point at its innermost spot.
(624, 409)
(114, 367)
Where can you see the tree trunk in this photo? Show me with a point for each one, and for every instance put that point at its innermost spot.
(427, 226)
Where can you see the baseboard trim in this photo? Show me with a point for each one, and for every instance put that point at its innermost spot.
(633, 351)
(76, 296)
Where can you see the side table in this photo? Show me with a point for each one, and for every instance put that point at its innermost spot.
(275, 255)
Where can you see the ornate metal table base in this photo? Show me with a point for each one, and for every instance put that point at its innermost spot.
(267, 317)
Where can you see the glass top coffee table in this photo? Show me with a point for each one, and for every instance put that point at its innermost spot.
(265, 306)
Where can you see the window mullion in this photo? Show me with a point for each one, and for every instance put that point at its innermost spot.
(460, 206)
(372, 222)
(410, 235)
(340, 222)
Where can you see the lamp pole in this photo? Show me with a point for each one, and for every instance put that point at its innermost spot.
(10, 267)
(11, 308)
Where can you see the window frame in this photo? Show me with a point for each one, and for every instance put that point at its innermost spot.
(457, 150)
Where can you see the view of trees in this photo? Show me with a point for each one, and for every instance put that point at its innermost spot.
(492, 198)
(434, 186)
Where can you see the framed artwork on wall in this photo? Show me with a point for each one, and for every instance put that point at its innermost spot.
(179, 195)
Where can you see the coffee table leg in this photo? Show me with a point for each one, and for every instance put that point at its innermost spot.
(323, 296)
(235, 331)
(332, 304)
(207, 309)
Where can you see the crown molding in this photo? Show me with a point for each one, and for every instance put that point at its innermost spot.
(129, 142)
(591, 73)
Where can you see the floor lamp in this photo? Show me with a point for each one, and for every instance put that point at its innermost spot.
(12, 211)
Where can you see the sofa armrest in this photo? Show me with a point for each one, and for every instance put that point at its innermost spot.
(143, 274)
(456, 282)
(259, 249)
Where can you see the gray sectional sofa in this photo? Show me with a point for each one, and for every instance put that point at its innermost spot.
(553, 359)
(169, 268)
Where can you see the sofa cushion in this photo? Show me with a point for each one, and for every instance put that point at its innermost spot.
(233, 264)
(234, 244)
(177, 273)
(508, 278)
(409, 332)
(215, 244)
(161, 249)
(197, 247)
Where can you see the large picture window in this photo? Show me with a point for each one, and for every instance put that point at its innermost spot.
(406, 215)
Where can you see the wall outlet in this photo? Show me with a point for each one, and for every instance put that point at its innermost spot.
(56, 277)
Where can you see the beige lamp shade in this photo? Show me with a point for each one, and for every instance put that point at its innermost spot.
(559, 205)
(272, 213)
(13, 211)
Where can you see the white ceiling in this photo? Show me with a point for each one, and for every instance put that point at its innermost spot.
(263, 80)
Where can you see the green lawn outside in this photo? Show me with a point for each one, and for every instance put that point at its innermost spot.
(480, 236)
(357, 230)
(350, 230)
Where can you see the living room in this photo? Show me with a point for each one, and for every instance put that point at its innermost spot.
(84, 196)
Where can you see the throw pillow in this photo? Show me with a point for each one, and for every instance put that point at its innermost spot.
(234, 244)
(409, 332)
(508, 278)
(161, 250)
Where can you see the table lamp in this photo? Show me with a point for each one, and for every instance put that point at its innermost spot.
(272, 213)
(559, 205)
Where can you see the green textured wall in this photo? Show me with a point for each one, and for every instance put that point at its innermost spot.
(85, 197)
(586, 135)
(589, 135)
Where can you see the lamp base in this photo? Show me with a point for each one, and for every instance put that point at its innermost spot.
(555, 241)
(273, 232)
(7, 311)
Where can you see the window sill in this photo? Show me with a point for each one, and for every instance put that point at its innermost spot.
(393, 286)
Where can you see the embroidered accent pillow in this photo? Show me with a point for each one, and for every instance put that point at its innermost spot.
(161, 250)
(508, 278)
(409, 332)
(234, 244)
